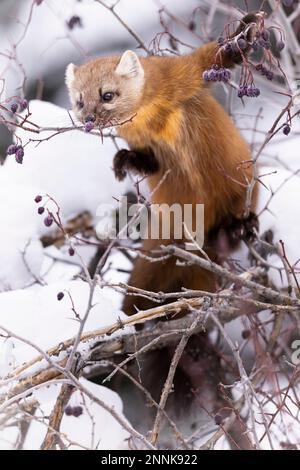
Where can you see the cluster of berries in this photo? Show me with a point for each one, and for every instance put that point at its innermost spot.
(19, 105)
(262, 40)
(17, 151)
(248, 90)
(48, 221)
(217, 74)
(75, 411)
(264, 71)
(89, 123)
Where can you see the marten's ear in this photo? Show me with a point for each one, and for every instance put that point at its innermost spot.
(70, 75)
(129, 65)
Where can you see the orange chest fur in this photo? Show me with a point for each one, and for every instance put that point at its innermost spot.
(153, 124)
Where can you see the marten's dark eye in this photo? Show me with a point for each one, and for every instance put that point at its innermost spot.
(108, 96)
(79, 102)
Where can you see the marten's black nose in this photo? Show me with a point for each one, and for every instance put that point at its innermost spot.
(90, 118)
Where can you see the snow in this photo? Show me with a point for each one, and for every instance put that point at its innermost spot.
(35, 313)
(85, 431)
(73, 168)
(283, 210)
(30, 313)
(278, 209)
(282, 411)
(278, 165)
(81, 429)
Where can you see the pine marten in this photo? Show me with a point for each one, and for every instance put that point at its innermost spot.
(170, 122)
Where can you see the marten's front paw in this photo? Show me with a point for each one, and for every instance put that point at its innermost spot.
(139, 162)
(120, 163)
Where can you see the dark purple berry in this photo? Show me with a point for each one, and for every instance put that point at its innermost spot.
(89, 126)
(38, 2)
(68, 410)
(264, 44)
(280, 46)
(286, 129)
(265, 34)
(77, 411)
(218, 420)
(60, 296)
(242, 91)
(219, 75)
(242, 43)
(11, 150)
(269, 75)
(246, 334)
(71, 251)
(263, 70)
(19, 155)
(38, 198)
(257, 92)
(206, 75)
(23, 104)
(74, 21)
(226, 75)
(252, 91)
(41, 210)
(192, 25)
(213, 75)
(14, 107)
(48, 221)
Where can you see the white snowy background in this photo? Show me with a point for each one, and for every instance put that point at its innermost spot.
(75, 170)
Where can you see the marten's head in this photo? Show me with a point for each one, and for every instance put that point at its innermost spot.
(107, 90)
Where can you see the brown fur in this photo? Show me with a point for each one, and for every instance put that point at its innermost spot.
(190, 134)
